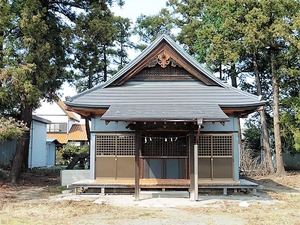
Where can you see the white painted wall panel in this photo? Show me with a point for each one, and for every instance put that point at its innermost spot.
(37, 147)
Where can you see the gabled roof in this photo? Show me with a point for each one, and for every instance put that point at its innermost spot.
(163, 46)
(76, 133)
(128, 98)
(62, 138)
(62, 105)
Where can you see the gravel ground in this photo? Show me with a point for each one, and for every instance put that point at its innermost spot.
(38, 201)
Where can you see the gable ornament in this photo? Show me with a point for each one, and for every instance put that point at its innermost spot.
(163, 59)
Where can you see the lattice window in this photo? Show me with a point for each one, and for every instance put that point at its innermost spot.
(164, 146)
(105, 145)
(215, 145)
(125, 145)
(115, 144)
(222, 145)
(204, 146)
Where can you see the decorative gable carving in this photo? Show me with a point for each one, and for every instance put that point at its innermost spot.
(163, 59)
(158, 73)
(163, 63)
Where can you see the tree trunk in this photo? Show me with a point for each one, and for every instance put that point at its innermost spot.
(1, 49)
(122, 55)
(263, 122)
(22, 148)
(75, 160)
(233, 76)
(87, 121)
(88, 130)
(279, 158)
(105, 64)
(220, 72)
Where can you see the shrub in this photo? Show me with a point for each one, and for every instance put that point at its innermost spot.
(67, 152)
(11, 128)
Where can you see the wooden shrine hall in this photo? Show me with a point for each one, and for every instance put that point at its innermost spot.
(164, 121)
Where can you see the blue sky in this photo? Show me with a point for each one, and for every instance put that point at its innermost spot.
(133, 8)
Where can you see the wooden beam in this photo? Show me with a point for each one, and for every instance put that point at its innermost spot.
(137, 165)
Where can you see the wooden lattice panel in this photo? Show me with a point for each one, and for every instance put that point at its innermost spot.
(109, 144)
(105, 145)
(164, 146)
(215, 145)
(204, 146)
(125, 145)
(222, 145)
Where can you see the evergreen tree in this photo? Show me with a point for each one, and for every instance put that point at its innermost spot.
(40, 44)
(100, 43)
(122, 42)
(34, 56)
(148, 28)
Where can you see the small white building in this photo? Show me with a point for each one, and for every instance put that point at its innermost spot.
(40, 152)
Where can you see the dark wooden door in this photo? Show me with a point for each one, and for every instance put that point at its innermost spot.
(162, 168)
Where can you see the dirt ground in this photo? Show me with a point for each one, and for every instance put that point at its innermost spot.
(38, 200)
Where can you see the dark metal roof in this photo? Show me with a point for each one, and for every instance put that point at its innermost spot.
(162, 93)
(166, 112)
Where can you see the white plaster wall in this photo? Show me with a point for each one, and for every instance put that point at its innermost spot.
(56, 119)
(49, 108)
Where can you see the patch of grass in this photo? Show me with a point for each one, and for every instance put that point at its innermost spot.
(54, 190)
(11, 221)
(145, 214)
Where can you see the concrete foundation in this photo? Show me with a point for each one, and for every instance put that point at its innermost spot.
(164, 194)
(68, 177)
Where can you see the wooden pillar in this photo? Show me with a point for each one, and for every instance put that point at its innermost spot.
(195, 152)
(137, 165)
(191, 163)
(196, 172)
